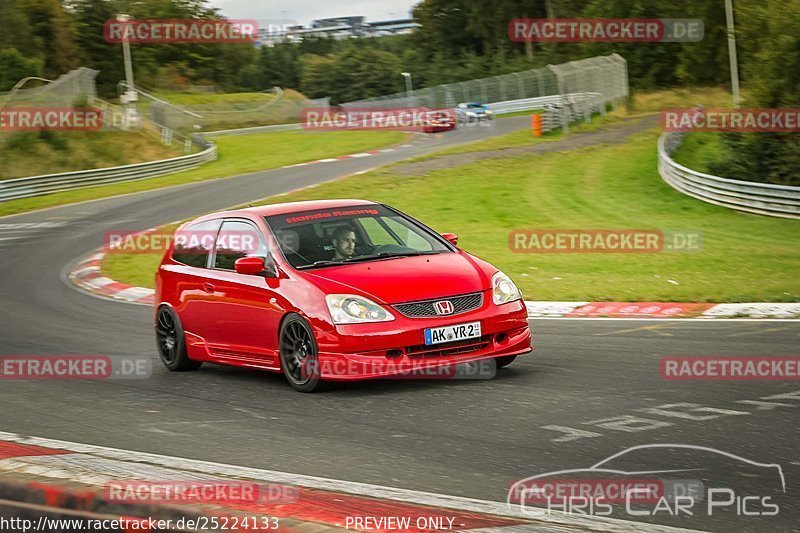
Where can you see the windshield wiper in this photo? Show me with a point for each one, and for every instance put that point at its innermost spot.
(386, 255)
(360, 258)
(323, 262)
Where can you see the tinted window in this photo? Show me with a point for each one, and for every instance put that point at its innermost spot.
(193, 244)
(236, 240)
(309, 238)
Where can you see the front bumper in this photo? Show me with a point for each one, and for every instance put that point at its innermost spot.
(397, 348)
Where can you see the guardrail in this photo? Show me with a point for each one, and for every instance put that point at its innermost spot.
(15, 189)
(542, 102)
(752, 197)
(560, 110)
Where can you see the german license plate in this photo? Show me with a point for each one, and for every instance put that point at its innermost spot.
(457, 332)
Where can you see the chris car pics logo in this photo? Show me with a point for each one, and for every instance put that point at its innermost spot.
(623, 485)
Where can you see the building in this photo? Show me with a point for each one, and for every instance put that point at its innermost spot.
(356, 24)
(392, 27)
(337, 28)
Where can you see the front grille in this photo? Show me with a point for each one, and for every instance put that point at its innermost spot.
(449, 348)
(423, 309)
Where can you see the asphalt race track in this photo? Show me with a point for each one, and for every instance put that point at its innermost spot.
(591, 389)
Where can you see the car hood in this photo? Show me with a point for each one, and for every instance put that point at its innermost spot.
(406, 279)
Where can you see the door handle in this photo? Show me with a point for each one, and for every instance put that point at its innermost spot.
(208, 287)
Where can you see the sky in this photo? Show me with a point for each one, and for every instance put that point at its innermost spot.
(304, 12)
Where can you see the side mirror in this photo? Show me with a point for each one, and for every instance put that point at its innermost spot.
(250, 266)
(452, 238)
(256, 266)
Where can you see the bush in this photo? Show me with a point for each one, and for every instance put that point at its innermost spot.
(22, 141)
(55, 140)
(25, 141)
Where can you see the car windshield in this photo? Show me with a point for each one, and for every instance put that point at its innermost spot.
(342, 235)
(475, 106)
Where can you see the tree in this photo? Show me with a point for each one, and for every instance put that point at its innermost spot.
(90, 16)
(280, 66)
(55, 30)
(17, 32)
(771, 69)
(316, 75)
(14, 66)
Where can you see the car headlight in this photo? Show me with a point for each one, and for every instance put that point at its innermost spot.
(489, 112)
(470, 113)
(504, 290)
(352, 309)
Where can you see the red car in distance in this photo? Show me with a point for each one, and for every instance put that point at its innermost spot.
(439, 121)
(331, 290)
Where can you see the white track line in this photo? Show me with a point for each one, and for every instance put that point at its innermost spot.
(604, 524)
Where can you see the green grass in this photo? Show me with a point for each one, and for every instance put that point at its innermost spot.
(33, 154)
(135, 270)
(237, 155)
(655, 101)
(699, 150)
(223, 111)
(743, 258)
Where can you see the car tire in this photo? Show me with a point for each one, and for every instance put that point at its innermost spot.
(299, 354)
(505, 360)
(171, 341)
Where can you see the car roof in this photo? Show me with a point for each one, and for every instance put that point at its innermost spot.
(284, 208)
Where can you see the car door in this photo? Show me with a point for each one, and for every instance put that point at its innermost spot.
(246, 310)
(194, 298)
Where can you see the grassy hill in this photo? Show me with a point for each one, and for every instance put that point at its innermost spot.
(32, 153)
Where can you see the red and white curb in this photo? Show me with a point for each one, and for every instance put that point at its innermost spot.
(320, 500)
(349, 156)
(87, 275)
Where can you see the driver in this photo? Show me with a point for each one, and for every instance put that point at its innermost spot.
(344, 242)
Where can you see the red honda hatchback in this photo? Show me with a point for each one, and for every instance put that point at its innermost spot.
(331, 290)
